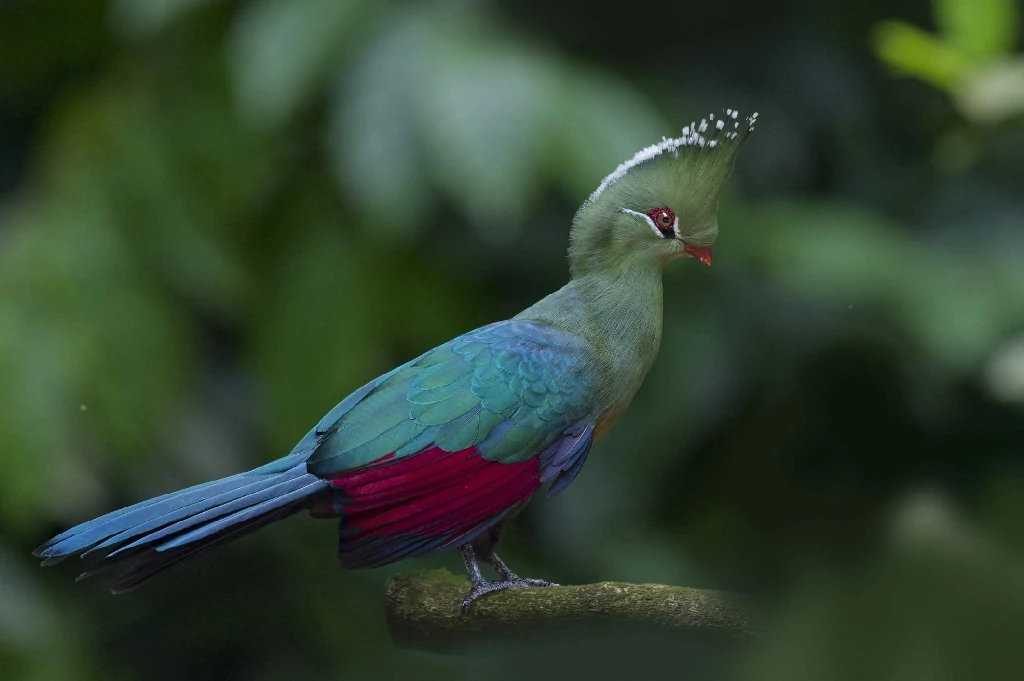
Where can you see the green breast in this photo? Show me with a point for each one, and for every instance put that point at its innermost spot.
(619, 316)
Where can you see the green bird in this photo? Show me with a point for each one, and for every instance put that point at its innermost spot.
(440, 452)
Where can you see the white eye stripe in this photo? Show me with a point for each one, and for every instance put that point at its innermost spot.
(650, 222)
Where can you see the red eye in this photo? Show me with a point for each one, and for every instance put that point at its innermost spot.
(663, 218)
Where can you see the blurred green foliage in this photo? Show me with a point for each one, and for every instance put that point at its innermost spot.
(218, 218)
(972, 57)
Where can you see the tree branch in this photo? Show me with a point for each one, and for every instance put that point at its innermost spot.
(423, 610)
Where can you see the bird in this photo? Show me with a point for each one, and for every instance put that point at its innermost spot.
(440, 452)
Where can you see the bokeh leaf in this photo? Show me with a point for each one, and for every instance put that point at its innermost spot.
(374, 144)
(913, 52)
(486, 123)
(280, 51)
(982, 29)
(602, 122)
(942, 601)
(142, 18)
(994, 93)
(314, 336)
(850, 259)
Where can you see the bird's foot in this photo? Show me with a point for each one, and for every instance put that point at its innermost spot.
(486, 586)
(508, 576)
(482, 587)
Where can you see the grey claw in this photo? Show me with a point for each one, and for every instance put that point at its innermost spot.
(484, 587)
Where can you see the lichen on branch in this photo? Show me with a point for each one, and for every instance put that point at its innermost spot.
(423, 611)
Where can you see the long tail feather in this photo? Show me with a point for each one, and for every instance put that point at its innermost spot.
(151, 536)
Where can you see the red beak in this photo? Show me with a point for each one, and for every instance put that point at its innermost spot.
(702, 254)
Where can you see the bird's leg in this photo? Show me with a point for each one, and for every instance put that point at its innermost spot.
(481, 586)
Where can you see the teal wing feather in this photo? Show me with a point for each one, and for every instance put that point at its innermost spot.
(509, 389)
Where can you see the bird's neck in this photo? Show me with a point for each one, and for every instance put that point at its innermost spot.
(618, 312)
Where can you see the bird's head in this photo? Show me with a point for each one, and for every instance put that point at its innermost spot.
(662, 203)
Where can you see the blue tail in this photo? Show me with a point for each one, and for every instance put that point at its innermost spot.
(151, 536)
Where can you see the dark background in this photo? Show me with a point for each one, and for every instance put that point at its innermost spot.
(218, 218)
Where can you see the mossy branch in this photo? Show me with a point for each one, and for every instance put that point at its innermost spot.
(423, 611)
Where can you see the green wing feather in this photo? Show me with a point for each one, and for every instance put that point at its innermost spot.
(509, 389)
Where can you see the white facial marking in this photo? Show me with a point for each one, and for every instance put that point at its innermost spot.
(650, 222)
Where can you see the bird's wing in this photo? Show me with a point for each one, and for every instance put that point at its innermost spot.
(446, 445)
(508, 390)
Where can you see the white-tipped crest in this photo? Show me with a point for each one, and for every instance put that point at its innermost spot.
(693, 135)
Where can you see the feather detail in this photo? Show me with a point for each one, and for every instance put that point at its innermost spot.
(567, 454)
(407, 506)
(533, 376)
(178, 504)
(147, 538)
